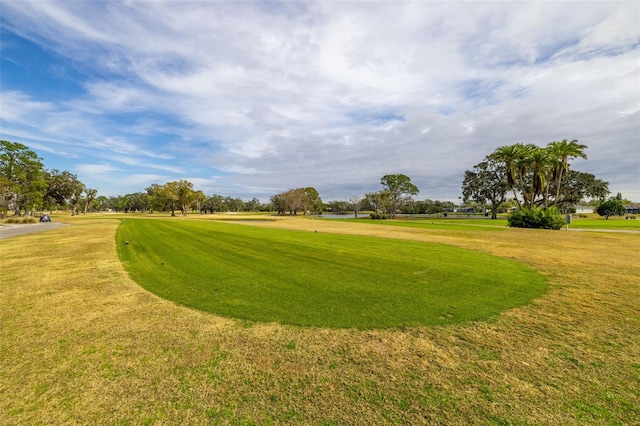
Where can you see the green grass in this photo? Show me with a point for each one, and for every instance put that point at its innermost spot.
(437, 223)
(81, 343)
(450, 224)
(317, 279)
(613, 223)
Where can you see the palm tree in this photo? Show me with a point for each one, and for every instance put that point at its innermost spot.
(521, 170)
(540, 162)
(510, 156)
(563, 151)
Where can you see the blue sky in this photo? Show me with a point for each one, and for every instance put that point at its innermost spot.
(249, 99)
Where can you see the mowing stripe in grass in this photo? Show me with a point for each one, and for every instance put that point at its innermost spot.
(316, 279)
(438, 223)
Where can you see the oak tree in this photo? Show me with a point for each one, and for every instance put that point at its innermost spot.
(400, 190)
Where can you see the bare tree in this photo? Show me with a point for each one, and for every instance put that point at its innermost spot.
(355, 203)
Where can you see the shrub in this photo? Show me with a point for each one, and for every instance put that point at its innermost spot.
(21, 220)
(549, 218)
(380, 216)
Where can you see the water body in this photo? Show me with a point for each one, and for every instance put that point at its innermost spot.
(342, 216)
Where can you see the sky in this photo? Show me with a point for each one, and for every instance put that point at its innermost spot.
(249, 99)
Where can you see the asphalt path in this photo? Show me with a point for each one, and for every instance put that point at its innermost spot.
(14, 230)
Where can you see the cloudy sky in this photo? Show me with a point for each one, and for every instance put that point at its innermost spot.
(249, 99)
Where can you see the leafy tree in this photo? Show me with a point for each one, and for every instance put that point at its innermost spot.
(90, 195)
(295, 200)
(432, 207)
(278, 203)
(184, 193)
(62, 188)
(199, 198)
(611, 207)
(315, 204)
(486, 183)
(577, 186)
(338, 206)
(172, 196)
(119, 203)
(136, 202)
(621, 198)
(253, 205)
(101, 203)
(159, 199)
(22, 178)
(399, 188)
(213, 204)
(233, 204)
(77, 188)
(378, 201)
(32, 193)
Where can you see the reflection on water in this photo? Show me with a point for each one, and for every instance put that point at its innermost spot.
(342, 216)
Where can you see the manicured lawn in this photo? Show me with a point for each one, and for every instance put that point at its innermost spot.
(437, 223)
(451, 224)
(617, 222)
(319, 279)
(82, 343)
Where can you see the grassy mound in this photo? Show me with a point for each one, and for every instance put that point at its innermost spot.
(316, 279)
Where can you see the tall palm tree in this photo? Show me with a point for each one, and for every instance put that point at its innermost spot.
(563, 151)
(540, 163)
(510, 156)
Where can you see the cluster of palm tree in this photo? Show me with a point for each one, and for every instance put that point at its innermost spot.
(535, 172)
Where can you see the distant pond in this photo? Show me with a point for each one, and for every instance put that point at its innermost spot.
(343, 216)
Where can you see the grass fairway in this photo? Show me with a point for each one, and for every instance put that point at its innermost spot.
(320, 279)
(82, 343)
(613, 223)
(593, 222)
(437, 223)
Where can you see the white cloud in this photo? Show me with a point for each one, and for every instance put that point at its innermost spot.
(95, 169)
(18, 106)
(333, 94)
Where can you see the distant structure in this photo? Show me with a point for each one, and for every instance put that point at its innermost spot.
(632, 208)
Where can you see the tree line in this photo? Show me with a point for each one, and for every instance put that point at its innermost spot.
(26, 186)
(177, 197)
(180, 197)
(522, 175)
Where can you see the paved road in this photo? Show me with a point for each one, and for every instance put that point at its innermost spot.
(14, 230)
